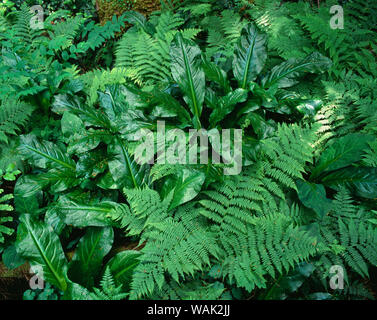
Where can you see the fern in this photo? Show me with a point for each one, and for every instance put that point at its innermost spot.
(146, 56)
(22, 27)
(5, 207)
(351, 239)
(190, 290)
(145, 208)
(288, 153)
(64, 33)
(108, 290)
(13, 115)
(97, 80)
(270, 246)
(223, 33)
(347, 109)
(177, 243)
(356, 290)
(364, 12)
(233, 203)
(286, 36)
(370, 156)
(179, 248)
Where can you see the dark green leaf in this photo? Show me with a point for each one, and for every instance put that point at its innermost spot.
(92, 215)
(186, 185)
(225, 105)
(44, 154)
(342, 153)
(122, 267)
(91, 250)
(250, 55)
(286, 73)
(38, 243)
(124, 169)
(314, 196)
(214, 73)
(361, 180)
(187, 72)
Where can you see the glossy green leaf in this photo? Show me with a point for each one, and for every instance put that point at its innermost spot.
(342, 153)
(188, 73)
(250, 55)
(87, 260)
(285, 74)
(166, 106)
(40, 246)
(71, 124)
(186, 185)
(44, 154)
(314, 196)
(291, 282)
(124, 169)
(26, 194)
(80, 215)
(11, 258)
(225, 105)
(214, 73)
(361, 180)
(122, 266)
(76, 292)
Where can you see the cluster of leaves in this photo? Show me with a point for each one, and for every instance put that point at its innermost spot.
(103, 226)
(74, 6)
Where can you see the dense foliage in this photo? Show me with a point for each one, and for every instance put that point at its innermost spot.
(75, 201)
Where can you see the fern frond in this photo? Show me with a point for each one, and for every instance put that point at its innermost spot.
(4, 230)
(145, 56)
(108, 290)
(270, 246)
(178, 248)
(13, 115)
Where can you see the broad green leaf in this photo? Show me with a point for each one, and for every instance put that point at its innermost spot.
(188, 73)
(53, 219)
(88, 114)
(166, 106)
(87, 261)
(76, 292)
(58, 179)
(87, 140)
(122, 267)
(214, 73)
(44, 154)
(65, 102)
(225, 105)
(309, 107)
(186, 185)
(314, 196)
(136, 18)
(262, 128)
(113, 102)
(26, 194)
(71, 124)
(250, 55)
(342, 153)
(285, 74)
(290, 283)
(361, 180)
(124, 169)
(81, 216)
(40, 246)
(11, 258)
(92, 164)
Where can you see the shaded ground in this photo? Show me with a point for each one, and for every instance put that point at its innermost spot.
(13, 283)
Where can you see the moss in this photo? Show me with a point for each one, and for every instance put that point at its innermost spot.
(107, 8)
